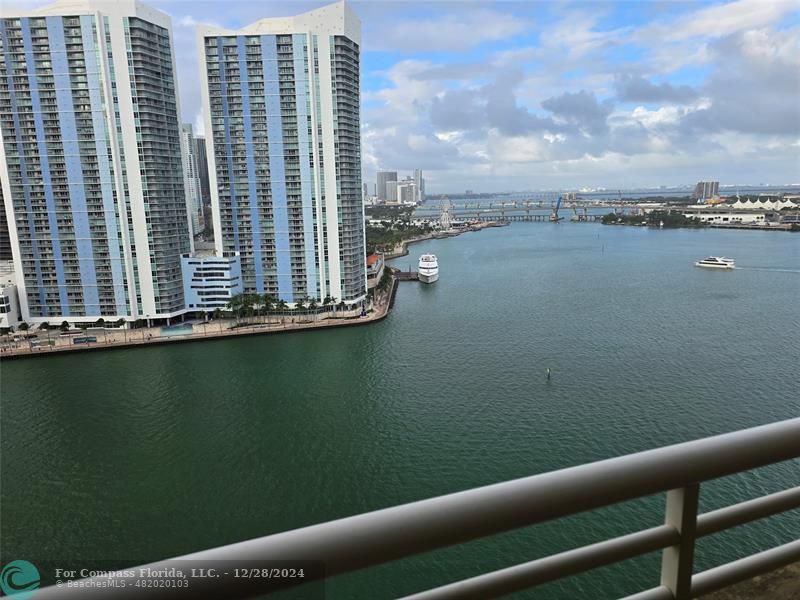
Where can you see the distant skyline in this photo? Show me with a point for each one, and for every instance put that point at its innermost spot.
(527, 95)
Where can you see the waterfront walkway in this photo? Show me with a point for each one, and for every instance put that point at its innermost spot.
(108, 339)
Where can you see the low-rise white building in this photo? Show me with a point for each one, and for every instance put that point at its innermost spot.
(768, 204)
(9, 300)
(720, 214)
(209, 282)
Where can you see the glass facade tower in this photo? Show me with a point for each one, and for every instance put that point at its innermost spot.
(93, 177)
(281, 103)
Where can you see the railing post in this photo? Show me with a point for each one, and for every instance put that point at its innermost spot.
(677, 561)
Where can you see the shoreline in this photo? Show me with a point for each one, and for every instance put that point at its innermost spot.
(380, 311)
(436, 236)
(381, 308)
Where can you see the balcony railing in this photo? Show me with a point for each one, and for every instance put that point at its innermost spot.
(381, 536)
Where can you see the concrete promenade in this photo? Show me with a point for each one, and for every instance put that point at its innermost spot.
(109, 339)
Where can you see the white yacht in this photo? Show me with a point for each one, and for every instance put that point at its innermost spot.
(716, 262)
(428, 268)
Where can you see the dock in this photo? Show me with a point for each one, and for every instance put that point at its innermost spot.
(406, 275)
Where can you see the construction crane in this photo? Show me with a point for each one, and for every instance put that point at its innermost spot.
(554, 216)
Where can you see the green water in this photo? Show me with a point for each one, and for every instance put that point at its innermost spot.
(143, 454)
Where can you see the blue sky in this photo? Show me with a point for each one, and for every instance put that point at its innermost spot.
(524, 95)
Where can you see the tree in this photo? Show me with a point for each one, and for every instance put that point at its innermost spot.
(313, 304)
(217, 313)
(64, 326)
(101, 322)
(282, 306)
(23, 326)
(298, 305)
(236, 304)
(44, 326)
(328, 300)
(120, 323)
(268, 303)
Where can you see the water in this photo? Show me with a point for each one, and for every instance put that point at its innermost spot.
(142, 454)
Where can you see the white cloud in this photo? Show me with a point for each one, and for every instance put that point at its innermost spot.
(720, 20)
(450, 32)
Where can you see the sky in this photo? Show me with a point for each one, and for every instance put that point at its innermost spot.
(513, 96)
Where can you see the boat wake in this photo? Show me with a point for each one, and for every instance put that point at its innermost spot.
(797, 271)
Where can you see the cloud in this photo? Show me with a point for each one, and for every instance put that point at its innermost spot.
(521, 95)
(720, 20)
(755, 87)
(581, 109)
(635, 88)
(453, 32)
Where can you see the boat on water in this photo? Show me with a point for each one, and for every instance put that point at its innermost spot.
(428, 268)
(716, 262)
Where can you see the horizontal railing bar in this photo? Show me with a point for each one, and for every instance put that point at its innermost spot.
(745, 512)
(745, 568)
(656, 593)
(550, 568)
(384, 535)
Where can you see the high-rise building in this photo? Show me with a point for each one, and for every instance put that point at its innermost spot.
(281, 104)
(191, 179)
(706, 190)
(202, 173)
(5, 240)
(407, 191)
(92, 164)
(420, 181)
(385, 181)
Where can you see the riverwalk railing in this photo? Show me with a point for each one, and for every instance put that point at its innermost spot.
(381, 536)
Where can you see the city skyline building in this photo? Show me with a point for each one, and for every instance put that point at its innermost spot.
(407, 191)
(281, 108)
(706, 190)
(191, 178)
(382, 185)
(93, 180)
(419, 180)
(202, 173)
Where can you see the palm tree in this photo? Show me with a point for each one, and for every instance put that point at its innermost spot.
(268, 302)
(23, 326)
(101, 322)
(298, 305)
(119, 323)
(44, 326)
(313, 304)
(236, 303)
(64, 326)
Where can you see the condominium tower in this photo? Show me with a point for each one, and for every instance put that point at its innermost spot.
(92, 177)
(281, 107)
(191, 178)
(386, 182)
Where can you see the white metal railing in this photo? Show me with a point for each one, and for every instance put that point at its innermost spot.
(381, 536)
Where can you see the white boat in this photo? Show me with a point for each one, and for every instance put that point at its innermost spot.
(716, 262)
(428, 268)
